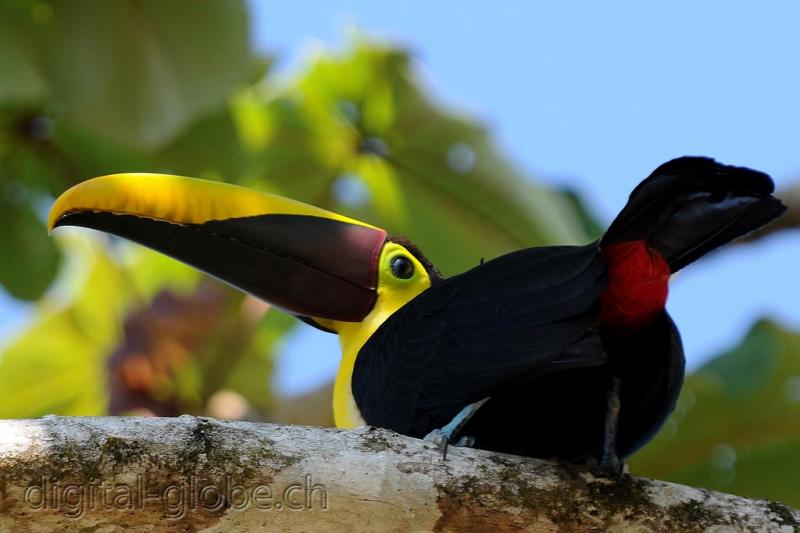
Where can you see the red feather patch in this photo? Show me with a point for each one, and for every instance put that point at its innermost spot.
(638, 277)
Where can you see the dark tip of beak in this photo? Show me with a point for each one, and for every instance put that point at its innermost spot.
(309, 266)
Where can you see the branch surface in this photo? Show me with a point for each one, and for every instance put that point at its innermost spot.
(198, 474)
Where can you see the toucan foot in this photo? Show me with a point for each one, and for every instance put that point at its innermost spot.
(609, 466)
(444, 436)
(437, 437)
(440, 439)
(610, 462)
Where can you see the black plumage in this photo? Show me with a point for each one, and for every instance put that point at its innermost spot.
(526, 313)
(525, 329)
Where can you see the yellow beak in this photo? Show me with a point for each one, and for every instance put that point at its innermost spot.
(306, 260)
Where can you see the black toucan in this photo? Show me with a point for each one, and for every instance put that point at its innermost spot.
(562, 352)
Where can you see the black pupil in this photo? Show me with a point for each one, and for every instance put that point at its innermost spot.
(402, 267)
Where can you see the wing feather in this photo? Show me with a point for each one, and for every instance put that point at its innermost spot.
(524, 314)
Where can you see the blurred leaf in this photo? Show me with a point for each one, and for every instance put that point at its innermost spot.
(250, 373)
(87, 86)
(136, 71)
(312, 408)
(21, 79)
(83, 153)
(588, 220)
(58, 364)
(149, 271)
(428, 173)
(456, 174)
(209, 149)
(30, 261)
(296, 160)
(386, 193)
(737, 424)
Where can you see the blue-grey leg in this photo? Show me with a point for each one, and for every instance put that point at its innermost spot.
(444, 436)
(610, 461)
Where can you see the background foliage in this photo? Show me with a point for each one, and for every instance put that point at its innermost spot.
(89, 88)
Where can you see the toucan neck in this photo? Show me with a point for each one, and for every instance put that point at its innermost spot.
(352, 337)
(392, 294)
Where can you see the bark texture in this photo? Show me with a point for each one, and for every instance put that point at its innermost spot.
(197, 474)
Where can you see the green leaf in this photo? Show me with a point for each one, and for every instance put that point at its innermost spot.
(58, 364)
(136, 71)
(30, 261)
(384, 186)
(250, 375)
(736, 427)
(21, 79)
(83, 153)
(209, 149)
(149, 272)
(429, 173)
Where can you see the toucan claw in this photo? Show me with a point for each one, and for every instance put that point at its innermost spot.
(443, 441)
(444, 436)
(440, 439)
(467, 441)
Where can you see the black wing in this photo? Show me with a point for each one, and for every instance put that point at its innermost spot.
(528, 313)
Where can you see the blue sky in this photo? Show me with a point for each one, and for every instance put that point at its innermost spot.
(594, 95)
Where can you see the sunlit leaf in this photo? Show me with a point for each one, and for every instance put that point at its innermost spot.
(58, 364)
(386, 193)
(149, 271)
(430, 173)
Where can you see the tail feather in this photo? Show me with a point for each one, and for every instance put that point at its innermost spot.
(692, 205)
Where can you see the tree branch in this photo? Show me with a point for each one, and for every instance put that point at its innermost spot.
(179, 474)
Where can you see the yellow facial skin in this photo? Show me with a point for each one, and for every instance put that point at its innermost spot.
(182, 200)
(393, 293)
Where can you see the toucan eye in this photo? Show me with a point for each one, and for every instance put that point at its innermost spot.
(402, 267)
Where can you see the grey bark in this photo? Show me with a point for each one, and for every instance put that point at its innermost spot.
(197, 474)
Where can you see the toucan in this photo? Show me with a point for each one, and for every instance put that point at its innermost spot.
(555, 352)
